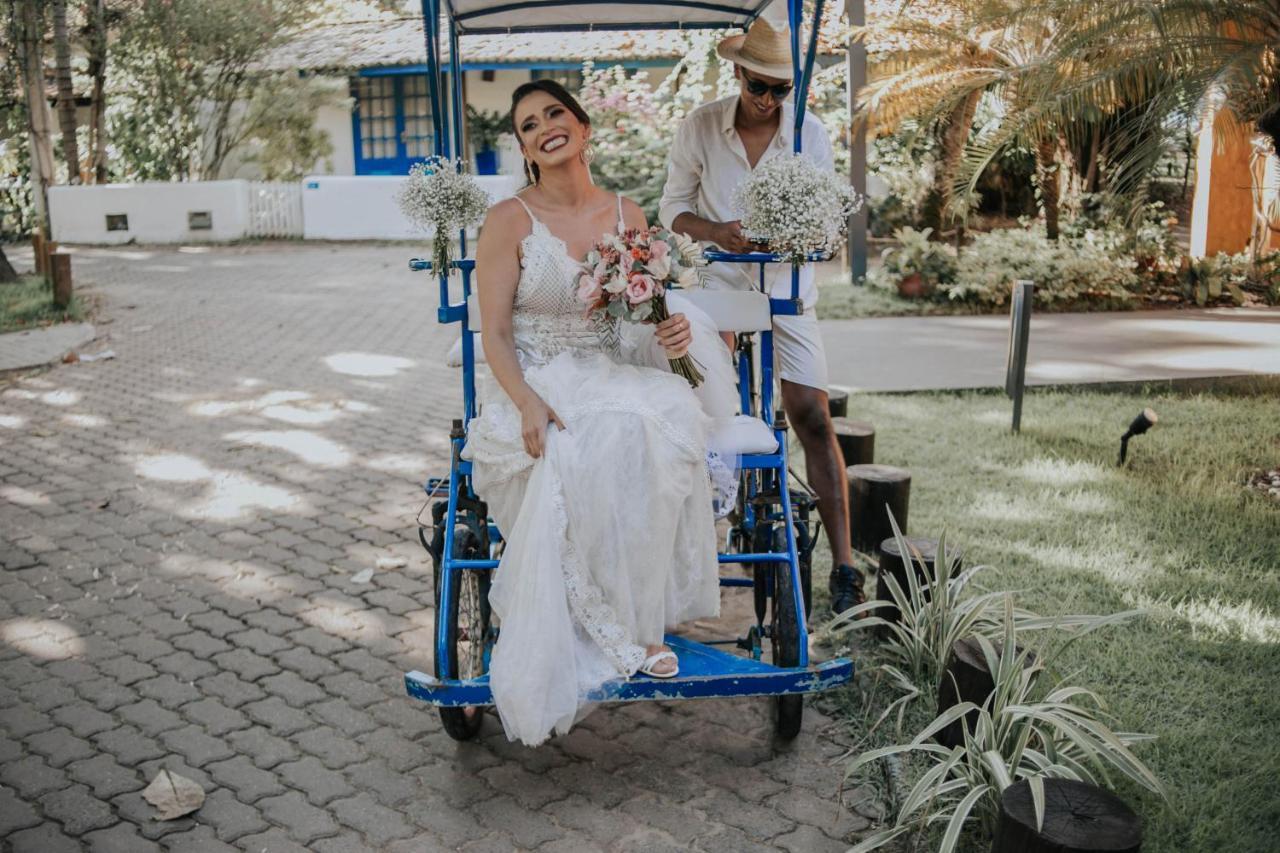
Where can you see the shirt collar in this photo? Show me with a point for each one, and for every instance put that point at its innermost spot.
(784, 124)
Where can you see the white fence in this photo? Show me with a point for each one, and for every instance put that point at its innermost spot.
(275, 209)
(318, 208)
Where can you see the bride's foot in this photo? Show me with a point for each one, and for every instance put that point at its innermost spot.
(660, 662)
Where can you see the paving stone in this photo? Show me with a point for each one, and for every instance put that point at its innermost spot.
(202, 839)
(258, 641)
(127, 670)
(201, 644)
(184, 666)
(196, 746)
(20, 721)
(363, 814)
(306, 663)
(605, 825)
(334, 749)
(31, 777)
(230, 818)
(215, 717)
(807, 808)
(319, 783)
(105, 694)
(216, 623)
(121, 838)
(277, 716)
(246, 664)
(44, 696)
(15, 813)
(249, 783)
(292, 688)
(358, 691)
(105, 776)
(528, 829)
(271, 841)
(808, 839)
(273, 622)
(149, 716)
(60, 747)
(344, 717)
(146, 648)
(376, 777)
(46, 838)
(231, 689)
(352, 842)
(77, 809)
(303, 821)
(168, 691)
(129, 746)
(266, 750)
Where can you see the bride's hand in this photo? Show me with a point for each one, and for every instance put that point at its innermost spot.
(534, 417)
(675, 335)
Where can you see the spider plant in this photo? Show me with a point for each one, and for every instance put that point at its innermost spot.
(1022, 731)
(936, 611)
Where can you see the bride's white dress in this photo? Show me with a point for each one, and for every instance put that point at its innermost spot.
(610, 536)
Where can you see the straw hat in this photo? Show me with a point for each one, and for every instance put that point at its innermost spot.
(763, 50)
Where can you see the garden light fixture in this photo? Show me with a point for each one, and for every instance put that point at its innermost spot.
(1145, 420)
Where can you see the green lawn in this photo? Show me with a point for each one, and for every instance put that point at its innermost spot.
(29, 303)
(1176, 532)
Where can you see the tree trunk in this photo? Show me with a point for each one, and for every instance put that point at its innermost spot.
(97, 54)
(30, 41)
(66, 92)
(1047, 178)
(955, 134)
(7, 272)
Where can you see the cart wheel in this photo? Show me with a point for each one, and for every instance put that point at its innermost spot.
(786, 644)
(469, 634)
(804, 551)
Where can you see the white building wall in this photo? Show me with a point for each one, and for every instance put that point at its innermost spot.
(157, 212)
(365, 208)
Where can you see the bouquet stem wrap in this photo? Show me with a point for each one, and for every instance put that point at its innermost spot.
(684, 365)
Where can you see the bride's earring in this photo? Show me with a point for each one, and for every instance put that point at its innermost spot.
(587, 153)
(529, 174)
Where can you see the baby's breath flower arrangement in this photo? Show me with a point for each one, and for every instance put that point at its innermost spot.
(440, 195)
(795, 206)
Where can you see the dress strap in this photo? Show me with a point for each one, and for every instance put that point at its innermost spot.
(621, 226)
(527, 210)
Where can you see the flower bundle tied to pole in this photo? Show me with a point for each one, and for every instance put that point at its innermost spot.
(439, 195)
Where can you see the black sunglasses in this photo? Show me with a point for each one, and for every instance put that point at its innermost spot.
(759, 87)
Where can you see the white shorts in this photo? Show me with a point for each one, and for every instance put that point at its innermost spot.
(798, 354)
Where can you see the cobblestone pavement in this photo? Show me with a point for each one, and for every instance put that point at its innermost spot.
(180, 528)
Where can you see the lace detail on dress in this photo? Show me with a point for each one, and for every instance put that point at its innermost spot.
(548, 319)
(591, 611)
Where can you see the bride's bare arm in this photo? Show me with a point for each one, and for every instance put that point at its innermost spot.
(497, 275)
(674, 333)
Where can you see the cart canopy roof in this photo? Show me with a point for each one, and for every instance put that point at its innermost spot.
(514, 16)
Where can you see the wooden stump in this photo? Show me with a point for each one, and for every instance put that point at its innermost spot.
(966, 679)
(1078, 818)
(60, 265)
(872, 489)
(38, 252)
(895, 564)
(838, 403)
(857, 440)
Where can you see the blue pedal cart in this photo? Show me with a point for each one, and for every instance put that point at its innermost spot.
(772, 532)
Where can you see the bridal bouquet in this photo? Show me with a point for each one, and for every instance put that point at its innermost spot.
(626, 277)
(440, 195)
(796, 207)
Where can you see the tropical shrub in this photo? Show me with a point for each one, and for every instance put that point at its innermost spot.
(917, 265)
(1066, 273)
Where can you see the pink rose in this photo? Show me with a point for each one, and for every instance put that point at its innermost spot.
(640, 288)
(588, 289)
(658, 250)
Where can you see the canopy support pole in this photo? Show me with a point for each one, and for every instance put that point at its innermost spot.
(856, 10)
(430, 26)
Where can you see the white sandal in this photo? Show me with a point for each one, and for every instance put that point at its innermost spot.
(653, 660)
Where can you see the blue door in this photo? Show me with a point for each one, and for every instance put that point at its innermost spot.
(391, 123)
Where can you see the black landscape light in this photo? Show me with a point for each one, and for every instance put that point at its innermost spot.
(1145, 420)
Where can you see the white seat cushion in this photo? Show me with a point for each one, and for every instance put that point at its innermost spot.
(454, 358)
(744, 435)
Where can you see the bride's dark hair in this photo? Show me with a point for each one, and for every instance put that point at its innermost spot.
(555, 90)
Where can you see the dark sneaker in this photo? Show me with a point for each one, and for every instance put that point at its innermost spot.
(846, 588)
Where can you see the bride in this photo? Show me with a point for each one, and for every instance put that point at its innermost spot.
(591, 458)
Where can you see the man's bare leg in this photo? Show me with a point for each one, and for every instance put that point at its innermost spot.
(808, 414)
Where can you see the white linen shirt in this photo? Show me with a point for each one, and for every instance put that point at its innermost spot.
(707, 164)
